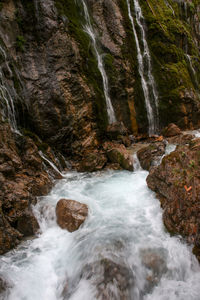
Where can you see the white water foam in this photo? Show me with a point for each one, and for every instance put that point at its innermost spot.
(124, 228)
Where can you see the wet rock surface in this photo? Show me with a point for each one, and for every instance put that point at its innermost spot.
(114, 280)
(118, 154)
(151, 155)
(177, 184)
(23, 177)
(70, 214)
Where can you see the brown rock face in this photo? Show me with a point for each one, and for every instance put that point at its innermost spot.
(23, 176)
(177, 184)
(118, 132)
(70, 214)
(171, 130)
(93, 162)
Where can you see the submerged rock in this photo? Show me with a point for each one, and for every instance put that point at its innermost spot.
(70, 214)
(3, 286)
(112, 280)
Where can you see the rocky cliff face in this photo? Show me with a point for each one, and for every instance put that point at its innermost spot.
(177, 184)
(51, 89)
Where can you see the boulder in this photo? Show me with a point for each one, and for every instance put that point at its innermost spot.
(70, 214)
(151, 154)
(118, 154)
(171, 130)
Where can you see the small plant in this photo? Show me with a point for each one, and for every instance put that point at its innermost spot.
(20, 42)
(183, 154)
(191, 164)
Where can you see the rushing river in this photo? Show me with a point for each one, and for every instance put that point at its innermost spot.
(121, 252)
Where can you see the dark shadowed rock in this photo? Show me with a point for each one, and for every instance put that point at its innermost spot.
(115, 130)
(93, 162)
(118, 132)
(27, 224)
(70, 214)
(171, 130)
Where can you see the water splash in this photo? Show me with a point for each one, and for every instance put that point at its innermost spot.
(50, 163)
(90, 31)
(145, 69)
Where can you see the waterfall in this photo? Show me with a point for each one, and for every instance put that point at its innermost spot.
(168, 5)
(145, 69)
(90, 31)
(7, 101)
(50, 163)
(192, 71)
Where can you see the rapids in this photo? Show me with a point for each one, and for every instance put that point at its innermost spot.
(122, 251)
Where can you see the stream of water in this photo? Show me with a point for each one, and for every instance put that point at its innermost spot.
(197, 86)
(144, 65)
(90, 31)
(6, 94)
(122, 251)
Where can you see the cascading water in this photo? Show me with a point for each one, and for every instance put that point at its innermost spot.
(121, 252)
(7, 103)
(193, 71)
(90, 31)
(168, 5)
(50, 163)
(145, 69)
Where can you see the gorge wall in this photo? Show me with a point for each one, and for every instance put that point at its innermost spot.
(51, 89)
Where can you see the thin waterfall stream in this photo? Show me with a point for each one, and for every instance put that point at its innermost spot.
(193, 71)
(6, 98)
(122, 251)
(145, 68)
(90, 31)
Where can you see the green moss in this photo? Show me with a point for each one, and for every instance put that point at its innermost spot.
(129, 54)
(169, 35)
